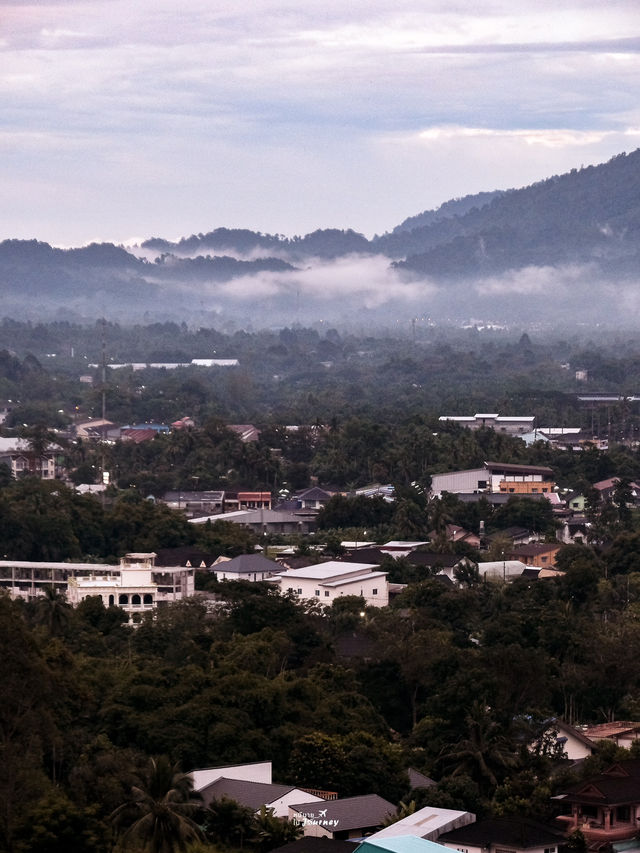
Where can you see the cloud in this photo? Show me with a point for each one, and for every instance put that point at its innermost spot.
(371, 280)
(535, 281)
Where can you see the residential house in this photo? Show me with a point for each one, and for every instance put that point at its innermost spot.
(245, 432)
(327, 581)
(313, 498)
(504, 835)
(574, 530)
(183, 423)
(542, 555)
(621, 732)
(255, 795)
(574, 742)
(501, 570)
(254, 500)
(351, 817)
(263, 520)
(247, 567)
(195, 503)
(17, 454)
(606, 807)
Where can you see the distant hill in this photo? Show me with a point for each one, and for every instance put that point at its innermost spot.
(570, 244)
(588, 216)
(455, 207)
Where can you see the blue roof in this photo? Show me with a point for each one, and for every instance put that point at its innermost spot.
(400, 844)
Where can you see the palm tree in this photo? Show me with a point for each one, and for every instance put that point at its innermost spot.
(158, 816)
(485, 753)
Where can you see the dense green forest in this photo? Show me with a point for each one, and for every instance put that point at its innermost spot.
(476, 673)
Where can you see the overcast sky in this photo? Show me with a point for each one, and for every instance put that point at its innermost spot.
(124, 119)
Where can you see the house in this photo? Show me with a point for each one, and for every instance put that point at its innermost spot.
(183, 423)
(428, 823)
(245, 432)
(574, 743)
(351, 817)
(455, 533)
(313, 498)
(136, 585)
(263, 520)
(195, 503)
(254, 500)
(96, 429)
(327, 581)
(504, 835)
(606, 807)
(496, 477)
(501, 570)
(254, 795)
(623, 733)
(515, 535)
(247, 567)
(542, 555)
(17, 455)
(574, 531)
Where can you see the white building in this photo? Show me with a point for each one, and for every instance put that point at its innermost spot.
(136, 584)
(512, 425)
(495, 477)
(328, 581)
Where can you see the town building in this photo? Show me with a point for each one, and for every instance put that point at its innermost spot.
(327, 581)
(493, 477)
(512, 425)
(136, 584)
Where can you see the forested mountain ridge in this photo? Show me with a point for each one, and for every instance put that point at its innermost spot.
(494, 254)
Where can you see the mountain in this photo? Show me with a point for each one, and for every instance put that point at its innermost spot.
(588, 216)
(568, 245)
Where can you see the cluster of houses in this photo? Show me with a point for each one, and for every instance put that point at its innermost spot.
(605, 808)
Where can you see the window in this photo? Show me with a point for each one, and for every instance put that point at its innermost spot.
(317, 592)
(299, 591)
(374, 591)
(623, 814)
(549, 850)
(327, 593)
(135, 598)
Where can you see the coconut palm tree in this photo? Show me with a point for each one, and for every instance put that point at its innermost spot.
(159, 815)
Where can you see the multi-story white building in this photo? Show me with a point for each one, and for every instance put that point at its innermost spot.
(136, 584)
(327, 581)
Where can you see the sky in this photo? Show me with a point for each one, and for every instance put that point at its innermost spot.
(126, 120)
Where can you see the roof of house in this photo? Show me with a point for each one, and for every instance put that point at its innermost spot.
(247, 564)
(509, 468)
(433, 560)
(250, 794)
(535, 548)
(612, 730)
(350, 813)
(319, 844)
(429, 823)
(519, 833)
(331, 570)
(183, 555)
(419, 780)
(399, 844)
(315, 493)
(619, 784)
